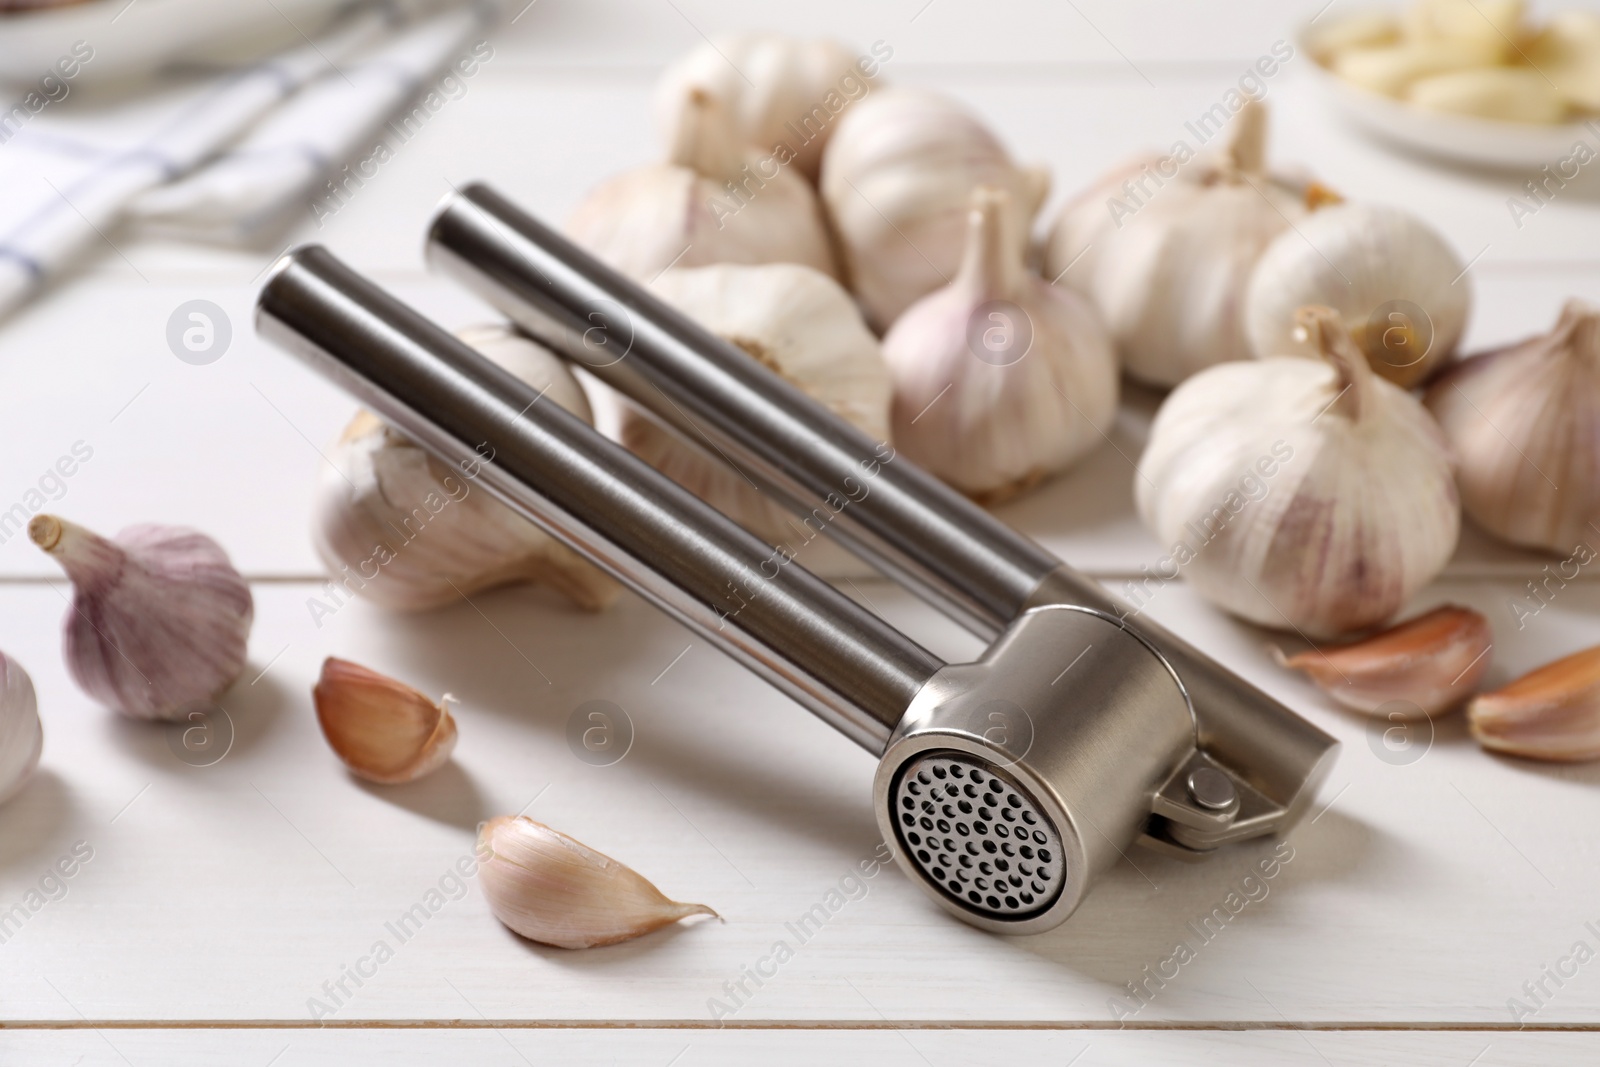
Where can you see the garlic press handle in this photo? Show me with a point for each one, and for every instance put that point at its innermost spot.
(906, 523)
(841, 661)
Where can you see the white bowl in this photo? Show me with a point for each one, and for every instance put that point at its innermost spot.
(1458, 138)
(130, 39)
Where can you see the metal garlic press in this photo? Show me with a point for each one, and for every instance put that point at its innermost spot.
(1005, 785)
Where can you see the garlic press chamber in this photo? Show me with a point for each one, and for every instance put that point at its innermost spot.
(1004, 786)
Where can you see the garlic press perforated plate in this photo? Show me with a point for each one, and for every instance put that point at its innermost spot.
(1004, 786)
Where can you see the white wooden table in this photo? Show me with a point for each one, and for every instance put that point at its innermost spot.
(1422, 894)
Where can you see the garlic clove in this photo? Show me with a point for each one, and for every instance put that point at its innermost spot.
(1511, 94)
(897, 177)
(1362, 30)
(21, 733)
(785, 95)
(1000, 379)
(549, 888)
(160, 620)
(801, 325)
(1567, 51)
(714, 200)
(1492, 27)
(384, 730)
(1395, 282)
(1298, 494)
(398, 527)
(1522, 421)
(1432, 663)
(1392, 69)
(1552, 713)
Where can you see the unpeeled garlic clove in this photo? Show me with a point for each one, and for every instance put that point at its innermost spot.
(407, 531)
(1431, 663)
(1523, 421)
(160, 620)
(384, 730)
(1552, 713)
(1000, 379)
(714, 200)
(552, 889)
(21, 734)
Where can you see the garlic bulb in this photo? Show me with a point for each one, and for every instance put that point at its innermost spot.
(1398, 288)
(159, 621)
(1169, 276)
(1552, 713)
(1298, 494)
(714, 200)
(785, 95)
(1000, 379)
(21, 735)
(803, 327)
(1421, 668)
(552, 889)
(896, 178)
(1524, 421)
(383, 730)
(400, 528)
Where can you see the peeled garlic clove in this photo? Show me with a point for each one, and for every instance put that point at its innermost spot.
(552, 889)
(1000, 379)
(1491, 27)
(1511, 94)
(1552, 713)
(1298, 494)
(1567, 51)
(400, 528)
(1397, 285)
(1392, 69)
(384, 730)
(802, 326)
(1431, 663)
(897, 177)
(1170, 276)
(785, 95)
(714, 200)
(21, 734)
(159, 621)
(1523, 421)
(1363, 30)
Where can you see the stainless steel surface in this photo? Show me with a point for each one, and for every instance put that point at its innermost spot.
(977, 835)
(901, 519)
(735, 591)
(908, 524)
(1211, 789)
(1086, 722)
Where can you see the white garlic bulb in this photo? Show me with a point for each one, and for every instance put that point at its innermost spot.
(897, 177)
(404, 530)
(714, 200)
(552, 889)
(1398, 288)
(1170, 273)
(1300, 494)
(1524, 421)
(159, 622)
(1000, 378)
(785, 95)
(803, 327)
(21, 734)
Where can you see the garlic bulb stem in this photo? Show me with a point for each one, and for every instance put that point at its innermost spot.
(1335, 346)
(992, 262)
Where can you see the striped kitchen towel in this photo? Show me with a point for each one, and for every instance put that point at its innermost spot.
(227, 156)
